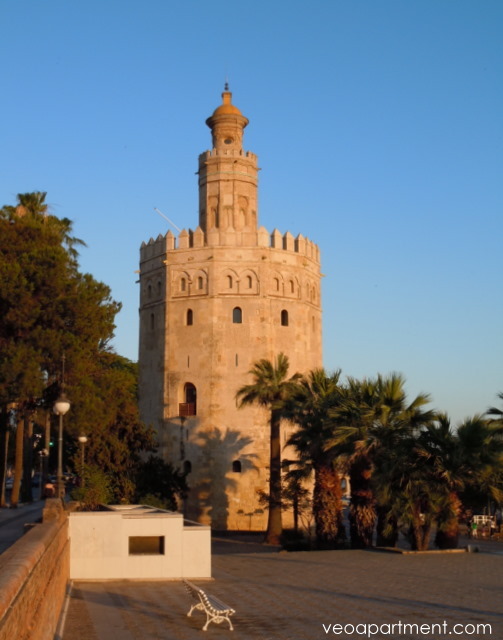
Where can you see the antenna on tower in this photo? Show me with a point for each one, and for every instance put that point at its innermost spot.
(166, 218)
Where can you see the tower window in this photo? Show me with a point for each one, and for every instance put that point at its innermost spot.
(190, 317)
(159, 287)
(183, 284)
(189, 407)
(249, 281)
(187, 467)
(152, 321)
(292, 287)
(200, 283)
(237, 315)
(276, 284)
(149, 291)
(236, 466)
(229, 282)
(284, 318)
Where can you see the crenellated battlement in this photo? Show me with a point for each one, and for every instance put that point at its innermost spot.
(189, 239)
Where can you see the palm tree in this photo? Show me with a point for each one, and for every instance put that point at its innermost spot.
(370, 419)
(439, 449)
(494, 411)
(33, 206)
(481, 442)
(271, 388)
(319, 392)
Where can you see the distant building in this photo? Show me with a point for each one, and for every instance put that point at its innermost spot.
(213, 302)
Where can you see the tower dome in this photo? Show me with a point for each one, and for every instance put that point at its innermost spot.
(227, 123)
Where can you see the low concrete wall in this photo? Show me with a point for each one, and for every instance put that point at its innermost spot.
(100, 545)
(34, 573)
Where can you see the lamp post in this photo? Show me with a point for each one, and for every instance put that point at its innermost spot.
(82, 440)
(61, 407)
(43, 458)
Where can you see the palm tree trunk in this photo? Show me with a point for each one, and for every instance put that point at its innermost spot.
(447, 536)
(327, 508)
(421, 526)
(274, 521)
(362, 513)
(387, 528)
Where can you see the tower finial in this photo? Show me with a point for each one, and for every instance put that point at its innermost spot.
(226, 85)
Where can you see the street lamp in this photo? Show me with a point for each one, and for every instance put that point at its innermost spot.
(61, 407)
(82, 440)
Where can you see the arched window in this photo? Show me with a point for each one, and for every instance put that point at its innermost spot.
(249, 282)
(159, 287)
(187, 467)
(284, 318)
(152, 321)
(229, 282)
(190, 317)
(200, 282)
(149, 291)
(237, 315)
(189, 407)
(276, 284)
(292, 287)
(183, 284)
(236, 466)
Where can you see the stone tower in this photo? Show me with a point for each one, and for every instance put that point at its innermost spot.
(212, 302)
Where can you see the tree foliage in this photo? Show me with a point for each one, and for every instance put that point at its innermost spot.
(49, 309)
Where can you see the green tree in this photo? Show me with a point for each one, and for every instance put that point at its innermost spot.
(318, 393)
(159, 484)
(105, 409)
(271, 388)
(47, 307)
(481, 443)
(371, 417)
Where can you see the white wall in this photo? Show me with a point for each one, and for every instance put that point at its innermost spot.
(99, 545)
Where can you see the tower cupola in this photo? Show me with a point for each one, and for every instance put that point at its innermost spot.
(227, 124)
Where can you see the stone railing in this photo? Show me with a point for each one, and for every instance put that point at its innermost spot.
(34, 574)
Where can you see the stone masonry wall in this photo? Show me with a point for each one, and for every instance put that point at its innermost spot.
(34, 573)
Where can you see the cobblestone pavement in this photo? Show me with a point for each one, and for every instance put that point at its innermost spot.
(290, 596)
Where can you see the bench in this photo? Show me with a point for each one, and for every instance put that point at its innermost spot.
(216, 610)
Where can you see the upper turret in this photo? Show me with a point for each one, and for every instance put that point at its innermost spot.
(227, 174)
(227, 124)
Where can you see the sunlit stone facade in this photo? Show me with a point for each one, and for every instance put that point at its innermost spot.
(213, 301)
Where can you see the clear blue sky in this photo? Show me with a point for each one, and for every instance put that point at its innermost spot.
(379, 130)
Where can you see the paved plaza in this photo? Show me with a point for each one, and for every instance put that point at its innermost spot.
(290, 596)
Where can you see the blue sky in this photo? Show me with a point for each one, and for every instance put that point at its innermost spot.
(379, 130)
